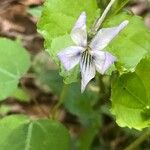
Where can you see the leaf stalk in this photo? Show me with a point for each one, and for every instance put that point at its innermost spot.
(139, 140)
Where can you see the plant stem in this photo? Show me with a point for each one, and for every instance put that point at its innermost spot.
(124, 3)
(139, 140)
(101, 19)
(101, 85)
(60, 102)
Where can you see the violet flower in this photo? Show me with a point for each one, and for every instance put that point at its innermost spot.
(91, 56)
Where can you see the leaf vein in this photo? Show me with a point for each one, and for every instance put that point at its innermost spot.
(29, 135)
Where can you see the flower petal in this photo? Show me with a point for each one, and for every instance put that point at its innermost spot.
(79, 33)
(87, 69)
(70, 56)
(102, 60)
(105, 36)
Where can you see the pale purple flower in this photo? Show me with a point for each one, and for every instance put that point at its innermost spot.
(89, 55)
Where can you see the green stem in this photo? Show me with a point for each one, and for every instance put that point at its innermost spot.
(124, 3)
(54, 112)
(102, 92)
(101, 85)
(101, 19)
(139, 140)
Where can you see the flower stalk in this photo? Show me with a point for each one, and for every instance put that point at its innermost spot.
(99, 22)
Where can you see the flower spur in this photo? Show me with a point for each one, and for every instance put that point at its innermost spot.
(89, 55)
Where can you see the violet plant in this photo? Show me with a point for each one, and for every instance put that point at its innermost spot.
(82, 38)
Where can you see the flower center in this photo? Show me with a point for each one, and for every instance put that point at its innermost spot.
(87, 58)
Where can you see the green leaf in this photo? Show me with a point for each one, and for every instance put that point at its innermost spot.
(14, 62)
(59, 16)
(8, 125)
(131, 97)
(52, 79)
(39, 134)
(56, 23)
(132, 44)
(81, 105)
(86, 138)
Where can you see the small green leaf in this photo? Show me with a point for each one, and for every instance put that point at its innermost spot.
(56, 23)
(40, 134)
(131, 97)
(14, 62)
